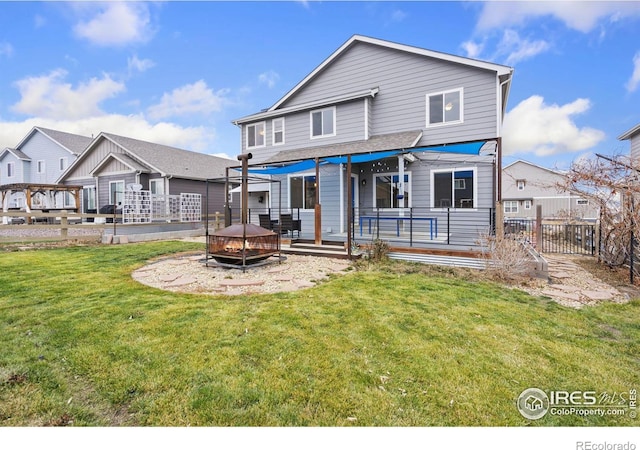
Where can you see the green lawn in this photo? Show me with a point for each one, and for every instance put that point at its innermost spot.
(392, 345)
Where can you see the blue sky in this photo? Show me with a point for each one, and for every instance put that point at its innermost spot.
(179, 72)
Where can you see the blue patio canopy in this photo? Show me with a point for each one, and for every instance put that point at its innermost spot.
(470, 148)
(307, 164)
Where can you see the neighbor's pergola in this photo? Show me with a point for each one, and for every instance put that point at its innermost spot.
(30, 190)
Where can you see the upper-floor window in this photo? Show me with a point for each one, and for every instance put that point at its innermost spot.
(278, 130)
(40, 166)
(444, 107)
(323, 122)
(527, 204)
(302, 189)
(510, 206)
(10, 170)
(255, 135)
(62, 164)
(521, 184)
(582, 201)
(453, 188)
(390, 193)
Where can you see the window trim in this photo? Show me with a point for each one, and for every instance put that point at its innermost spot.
(63, 163)
(11, 169)
(511, 203)
(156, 181)
(528, 204)
(453, 170)
(264, 131)
(111, 200)
(520, 184)
(273, 131)
(321, 136)
(444, 122)
(41, 166)
(302, 175)
(408, 188)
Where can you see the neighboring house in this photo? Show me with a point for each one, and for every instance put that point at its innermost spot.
(417, 133)
(526, 185)
(633, 136)
(40, 159)
(113, 164)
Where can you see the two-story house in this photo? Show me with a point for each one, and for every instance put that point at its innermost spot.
(525, 186)
(386, 136)
(40, 158)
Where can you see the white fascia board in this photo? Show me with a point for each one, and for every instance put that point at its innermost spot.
(310, 105)
(628, 134)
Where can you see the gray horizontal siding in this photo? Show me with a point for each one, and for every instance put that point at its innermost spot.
(404, 81)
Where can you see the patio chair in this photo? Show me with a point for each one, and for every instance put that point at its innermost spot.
(267, 222)
(288, 223)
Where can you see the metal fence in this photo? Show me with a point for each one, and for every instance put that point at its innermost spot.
(562, 238)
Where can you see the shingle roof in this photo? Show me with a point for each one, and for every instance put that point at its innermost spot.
(75, 143)
(629, 134)
(17, 153)
(174, 161)
(379, 143)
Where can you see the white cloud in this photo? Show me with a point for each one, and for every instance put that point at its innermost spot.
(634, 81)
(196, 98)
(472, 49)
(6, 49)
(581, 16)
(135, 64)
(535, 127)
(398, 15)
(269, 78)
(48, 96)
(518, 49)
(115, 23)
(135, 126)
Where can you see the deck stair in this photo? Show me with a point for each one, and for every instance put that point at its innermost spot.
(331, 249)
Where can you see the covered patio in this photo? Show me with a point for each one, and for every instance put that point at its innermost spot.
(393, 193)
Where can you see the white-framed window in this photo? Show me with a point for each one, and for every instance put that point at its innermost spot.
(527, 204)
(511, 206)
(323, 122)
(11, 170)
(62, 164)
(278, 131)
(69, 200)
(520, 184)
(302, 191)
(445, 107)
(156, 186)
(582, 201)
(390, 193)
(116, 192)
(40, 166)
(454, 188)
(255, 135)
(88, 198)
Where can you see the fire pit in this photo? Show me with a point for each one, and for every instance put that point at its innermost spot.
(243, 244)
